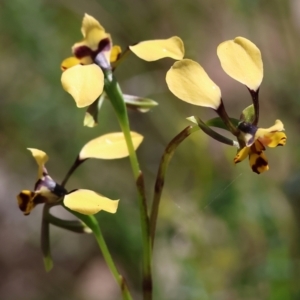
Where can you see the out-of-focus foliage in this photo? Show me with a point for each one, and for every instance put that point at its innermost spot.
(223, 231)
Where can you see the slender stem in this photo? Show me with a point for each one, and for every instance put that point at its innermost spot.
(75, 165)
(45, 239)
(93, 224)
(124, 54)
(161, 173)
(114, 92)
(255, 100)
(224, 116)
(110, 263)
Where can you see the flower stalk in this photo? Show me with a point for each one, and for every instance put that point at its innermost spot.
(161, 173)
(93, 224)
(115, 94)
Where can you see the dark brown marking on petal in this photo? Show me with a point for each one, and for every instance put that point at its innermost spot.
(260, 162)
(83, 51)
(26, 201)
(282, 141)
(23, 199)
(104, 45)
(39, 199)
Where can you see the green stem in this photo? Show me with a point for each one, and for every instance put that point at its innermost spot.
(45, 239)
(161, 173)
(92, 223)
(224, 116)
(255, 100)
(114, 93)
(75, 165)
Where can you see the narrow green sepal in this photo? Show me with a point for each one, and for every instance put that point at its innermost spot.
(215, 135)
(140, 104)
(74, 226)
(137, 103)
(248, 114)
(215, 122)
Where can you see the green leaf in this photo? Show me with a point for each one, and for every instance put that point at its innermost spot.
(248, 114)
(138, 103)
(218, 122)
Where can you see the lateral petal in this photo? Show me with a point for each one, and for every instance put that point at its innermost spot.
(84, 83)
(258, 162)
(157, 49)
(41, 158)
(109, 146)
(188, 81)
(242, 61)
(88, 202)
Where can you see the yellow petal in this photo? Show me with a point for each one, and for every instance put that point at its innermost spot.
(258, 147)
(241, 155)
(90, 23)
(262, 132)
(188, 81)
(41, 158)
(109, 146)
(69, 62)
(273, 139)
(89, 203)
(115, 53)
(241, 60)
(258, 162)
(92, 32)
(157, 49)
(84, 83)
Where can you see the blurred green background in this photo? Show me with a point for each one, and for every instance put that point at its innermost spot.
(224, 232)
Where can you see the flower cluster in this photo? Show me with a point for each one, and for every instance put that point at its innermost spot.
(93, 61)
(241, 60)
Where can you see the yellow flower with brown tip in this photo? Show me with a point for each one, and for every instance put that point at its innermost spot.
(241, 60)
(83, 76)
(46, 190)
(256, 140)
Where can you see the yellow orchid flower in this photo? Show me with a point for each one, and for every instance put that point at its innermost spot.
(240, 59)
(46, 190)
(256, 139)
(83, 76)
(108, 146)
